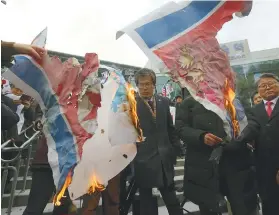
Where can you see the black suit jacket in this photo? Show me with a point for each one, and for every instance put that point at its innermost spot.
(264, 131)
(155, 155)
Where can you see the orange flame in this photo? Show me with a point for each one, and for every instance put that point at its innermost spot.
(229, 97)
(133, 110)
(60, 194)
(95, 186)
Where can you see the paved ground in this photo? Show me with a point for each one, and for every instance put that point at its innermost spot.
(188, 206)
(162, 210)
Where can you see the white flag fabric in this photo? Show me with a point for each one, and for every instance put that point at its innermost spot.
(40, 39)
(90, 130)
(112, 147)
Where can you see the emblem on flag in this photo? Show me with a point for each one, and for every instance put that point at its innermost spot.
(180, 38)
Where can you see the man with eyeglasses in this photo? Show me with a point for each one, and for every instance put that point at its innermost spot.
(263, 128)
(154, 163)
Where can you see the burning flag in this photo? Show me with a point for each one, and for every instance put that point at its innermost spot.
(84, 151)
(111, 148)
(180, 38)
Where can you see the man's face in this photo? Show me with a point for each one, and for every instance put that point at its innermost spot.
(17, 91)
(268, 88)
(257, 99)
(146, 86)
(178, 100)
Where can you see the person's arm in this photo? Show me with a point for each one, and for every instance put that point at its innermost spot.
(8, 117)
(252, 130)
(8, 49)
(249, 134)
(9, 102)
(183, 124)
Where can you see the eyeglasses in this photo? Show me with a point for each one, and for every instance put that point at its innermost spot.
(266, 85)
(145, 85)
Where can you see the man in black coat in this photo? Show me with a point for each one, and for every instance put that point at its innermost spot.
(9, 118)
(205, 182)
(263, 128)
(154, 163)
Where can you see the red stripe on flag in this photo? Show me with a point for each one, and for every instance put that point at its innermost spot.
(68, 92)
(207, 57)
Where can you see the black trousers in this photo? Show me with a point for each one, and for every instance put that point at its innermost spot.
(269, 189)
(238, 207)
(168, 194)
(169, 197)
(205, 211)
(270, 205)
(42, 189)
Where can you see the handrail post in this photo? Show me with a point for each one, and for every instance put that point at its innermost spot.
(27, 167)
(4, 180)
(8, 165)
(11, 200)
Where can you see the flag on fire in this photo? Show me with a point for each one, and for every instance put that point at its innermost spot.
(180, 38)
(91, 131)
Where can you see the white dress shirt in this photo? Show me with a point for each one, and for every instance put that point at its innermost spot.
(274, 101)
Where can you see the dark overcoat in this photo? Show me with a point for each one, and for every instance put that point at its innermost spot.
(156, 154)
(264, 131)
(204, 182)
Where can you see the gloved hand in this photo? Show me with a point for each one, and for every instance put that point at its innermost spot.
(234, 145)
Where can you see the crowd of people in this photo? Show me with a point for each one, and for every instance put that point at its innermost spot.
(248, 167)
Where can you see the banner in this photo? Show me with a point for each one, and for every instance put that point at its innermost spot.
(90, 131)
(180, 38)
(237, 50)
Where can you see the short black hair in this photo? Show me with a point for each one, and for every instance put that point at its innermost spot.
(145, 72)
(254, 94)
(179, 96)
(268, 75)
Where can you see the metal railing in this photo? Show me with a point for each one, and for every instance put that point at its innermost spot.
(13, 164)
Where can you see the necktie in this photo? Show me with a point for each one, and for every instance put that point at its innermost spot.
(269, 108)
(150, 102)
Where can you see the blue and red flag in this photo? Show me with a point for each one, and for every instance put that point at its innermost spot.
(180, 38)
(57, 87)
(90, 131)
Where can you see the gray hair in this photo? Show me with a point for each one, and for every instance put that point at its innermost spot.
(267, 75)
(145, 72)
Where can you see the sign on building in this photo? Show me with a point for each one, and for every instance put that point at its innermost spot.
(237, 50)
